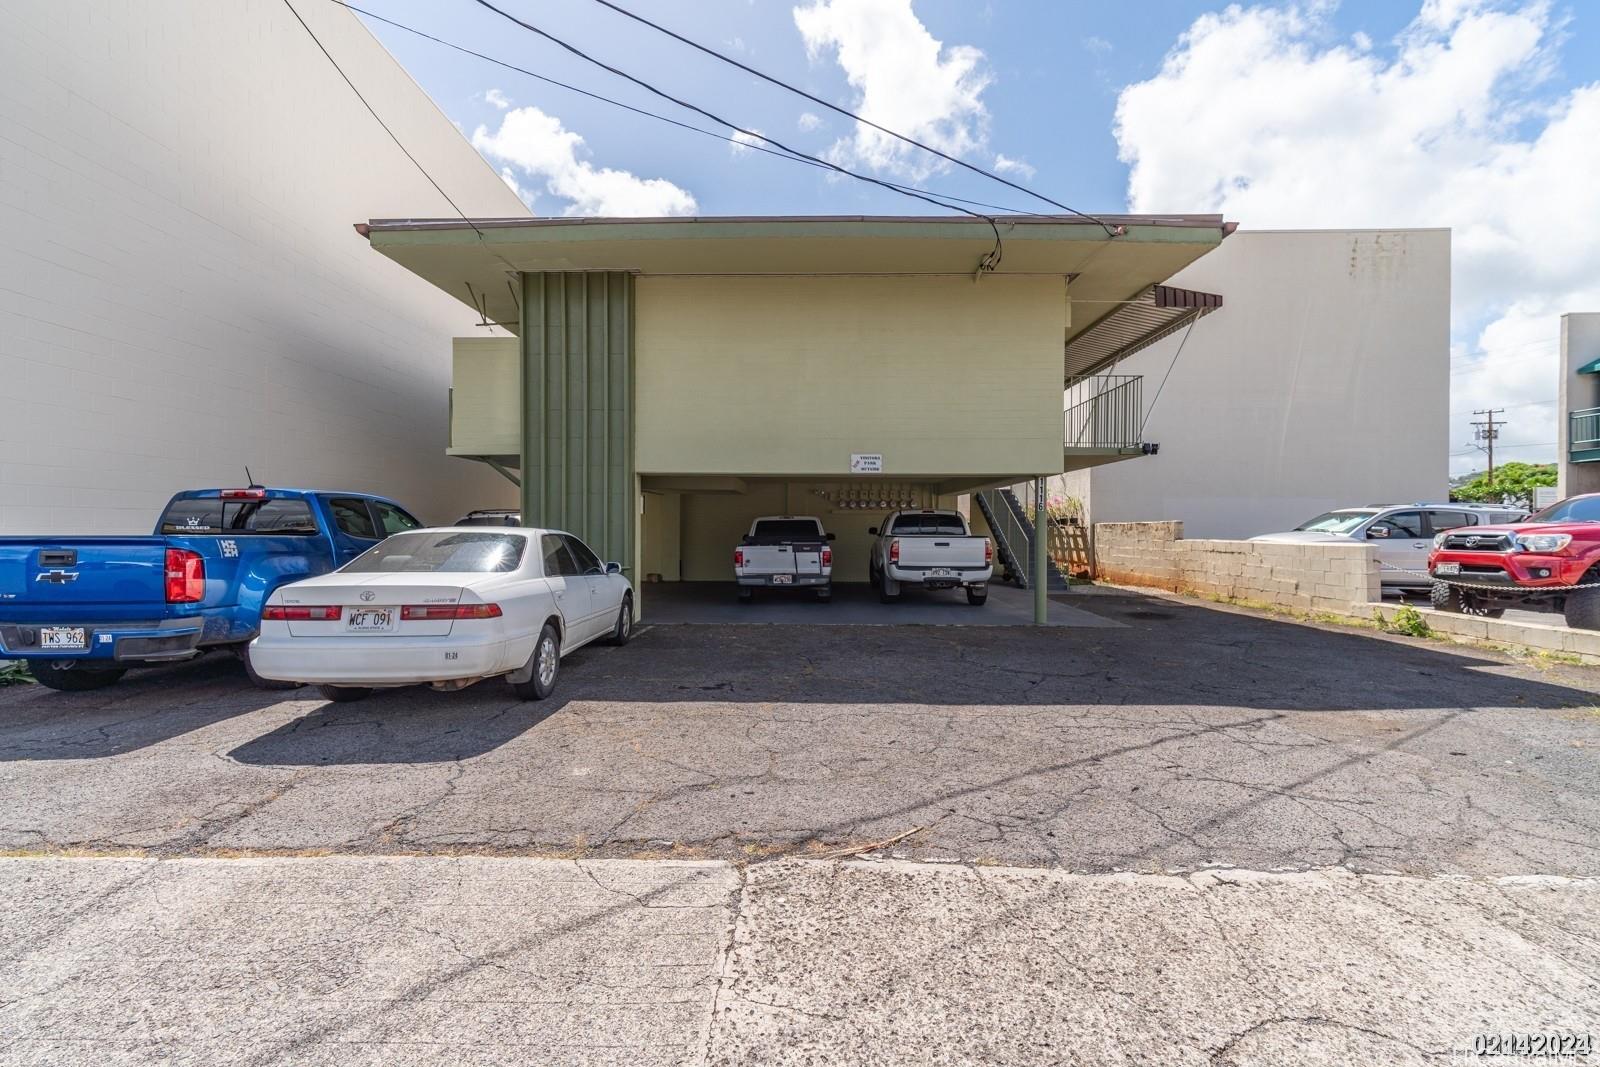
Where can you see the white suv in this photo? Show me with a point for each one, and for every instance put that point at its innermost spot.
(1402, 533)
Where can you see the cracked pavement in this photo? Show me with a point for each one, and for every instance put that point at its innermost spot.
(1398, 792)
(1203, 737)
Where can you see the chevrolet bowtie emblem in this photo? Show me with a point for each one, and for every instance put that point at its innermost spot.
(56, 577)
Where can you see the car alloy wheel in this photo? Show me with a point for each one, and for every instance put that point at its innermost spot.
(548, 660)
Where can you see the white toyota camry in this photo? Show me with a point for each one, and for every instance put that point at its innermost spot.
(446, 607)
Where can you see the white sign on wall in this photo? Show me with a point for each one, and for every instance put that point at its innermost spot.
(1543, 496)
(866, 463)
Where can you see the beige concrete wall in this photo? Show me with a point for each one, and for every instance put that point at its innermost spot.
(791, 375)
(1338, 578)
(1324, 381)
(713, 523)
(662, 548)
(485, 400)
(181, 293)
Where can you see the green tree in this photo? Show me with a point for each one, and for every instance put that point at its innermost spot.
(1514, 483)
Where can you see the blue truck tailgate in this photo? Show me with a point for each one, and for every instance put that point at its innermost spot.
(81, 579)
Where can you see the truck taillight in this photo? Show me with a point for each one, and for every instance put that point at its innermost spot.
(894, 550)
(186, 576)
(827, 557)
(433, 612)
(738, 557)
(307, 613)
(988, 551)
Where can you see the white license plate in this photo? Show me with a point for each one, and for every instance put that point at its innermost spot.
(783, 579)
(68, 637)
(1447, 568)
(941, 572)
(370, 620)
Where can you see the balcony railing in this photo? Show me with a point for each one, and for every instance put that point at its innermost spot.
(1103, 412)
(1583, 436)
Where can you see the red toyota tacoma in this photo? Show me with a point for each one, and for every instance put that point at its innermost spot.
(1537, 564)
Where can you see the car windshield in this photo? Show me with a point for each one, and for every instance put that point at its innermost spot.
(1336, 522)
(429, 552)
(1572, 509)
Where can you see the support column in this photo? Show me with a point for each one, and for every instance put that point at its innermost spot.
(1041, 556)
(577, 409)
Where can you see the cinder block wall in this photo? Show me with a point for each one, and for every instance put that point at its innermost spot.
(1340, 578)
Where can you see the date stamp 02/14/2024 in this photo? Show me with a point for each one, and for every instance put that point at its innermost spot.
(1543, 1048)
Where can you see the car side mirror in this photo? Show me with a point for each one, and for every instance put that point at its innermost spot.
(1379, 532)
(613, 568)
(872, 530)
(833, 537)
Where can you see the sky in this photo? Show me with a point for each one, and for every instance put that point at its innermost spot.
(1479, 115)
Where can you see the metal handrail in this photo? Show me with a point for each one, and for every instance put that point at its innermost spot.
(1103, 411)
(1010, 535)
(1014, 498)
(1584, 428)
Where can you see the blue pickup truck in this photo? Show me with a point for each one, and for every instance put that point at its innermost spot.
(82, 610)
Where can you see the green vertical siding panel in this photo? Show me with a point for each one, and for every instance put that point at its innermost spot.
(577, 351)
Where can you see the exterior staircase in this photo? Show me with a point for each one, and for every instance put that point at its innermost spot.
(1013, 536)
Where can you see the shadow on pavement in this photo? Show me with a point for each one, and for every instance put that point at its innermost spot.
(146, 707)
(1159, 653)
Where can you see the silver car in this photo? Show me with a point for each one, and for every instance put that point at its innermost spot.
(1402, 533)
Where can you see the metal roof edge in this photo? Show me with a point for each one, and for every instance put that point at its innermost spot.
(1208, 222)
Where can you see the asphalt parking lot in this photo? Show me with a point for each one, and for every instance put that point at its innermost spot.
(1189, 835)
(1186, 736)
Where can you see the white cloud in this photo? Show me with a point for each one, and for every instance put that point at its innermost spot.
(497, 98)
(1255, 114)
(1004, 164)
(808, 121)
(510, 178)
(904, 79)
(537, 145)
(1096, 44)
(740, 143)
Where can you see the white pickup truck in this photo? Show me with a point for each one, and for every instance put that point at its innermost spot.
(933, 549)
(782, 552)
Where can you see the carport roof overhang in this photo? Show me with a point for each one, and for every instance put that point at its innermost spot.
(474, 261)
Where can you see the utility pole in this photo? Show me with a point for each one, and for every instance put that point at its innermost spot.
(1486, 431)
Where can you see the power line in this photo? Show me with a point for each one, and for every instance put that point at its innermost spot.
(844, 111)
(1507, 448)
(652, 114)
(1509, 407)
(990, 261)
(385, 125)
(1496, 356)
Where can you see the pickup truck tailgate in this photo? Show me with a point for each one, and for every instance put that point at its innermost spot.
(77, 579)
(925, 550)
(783, 559)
